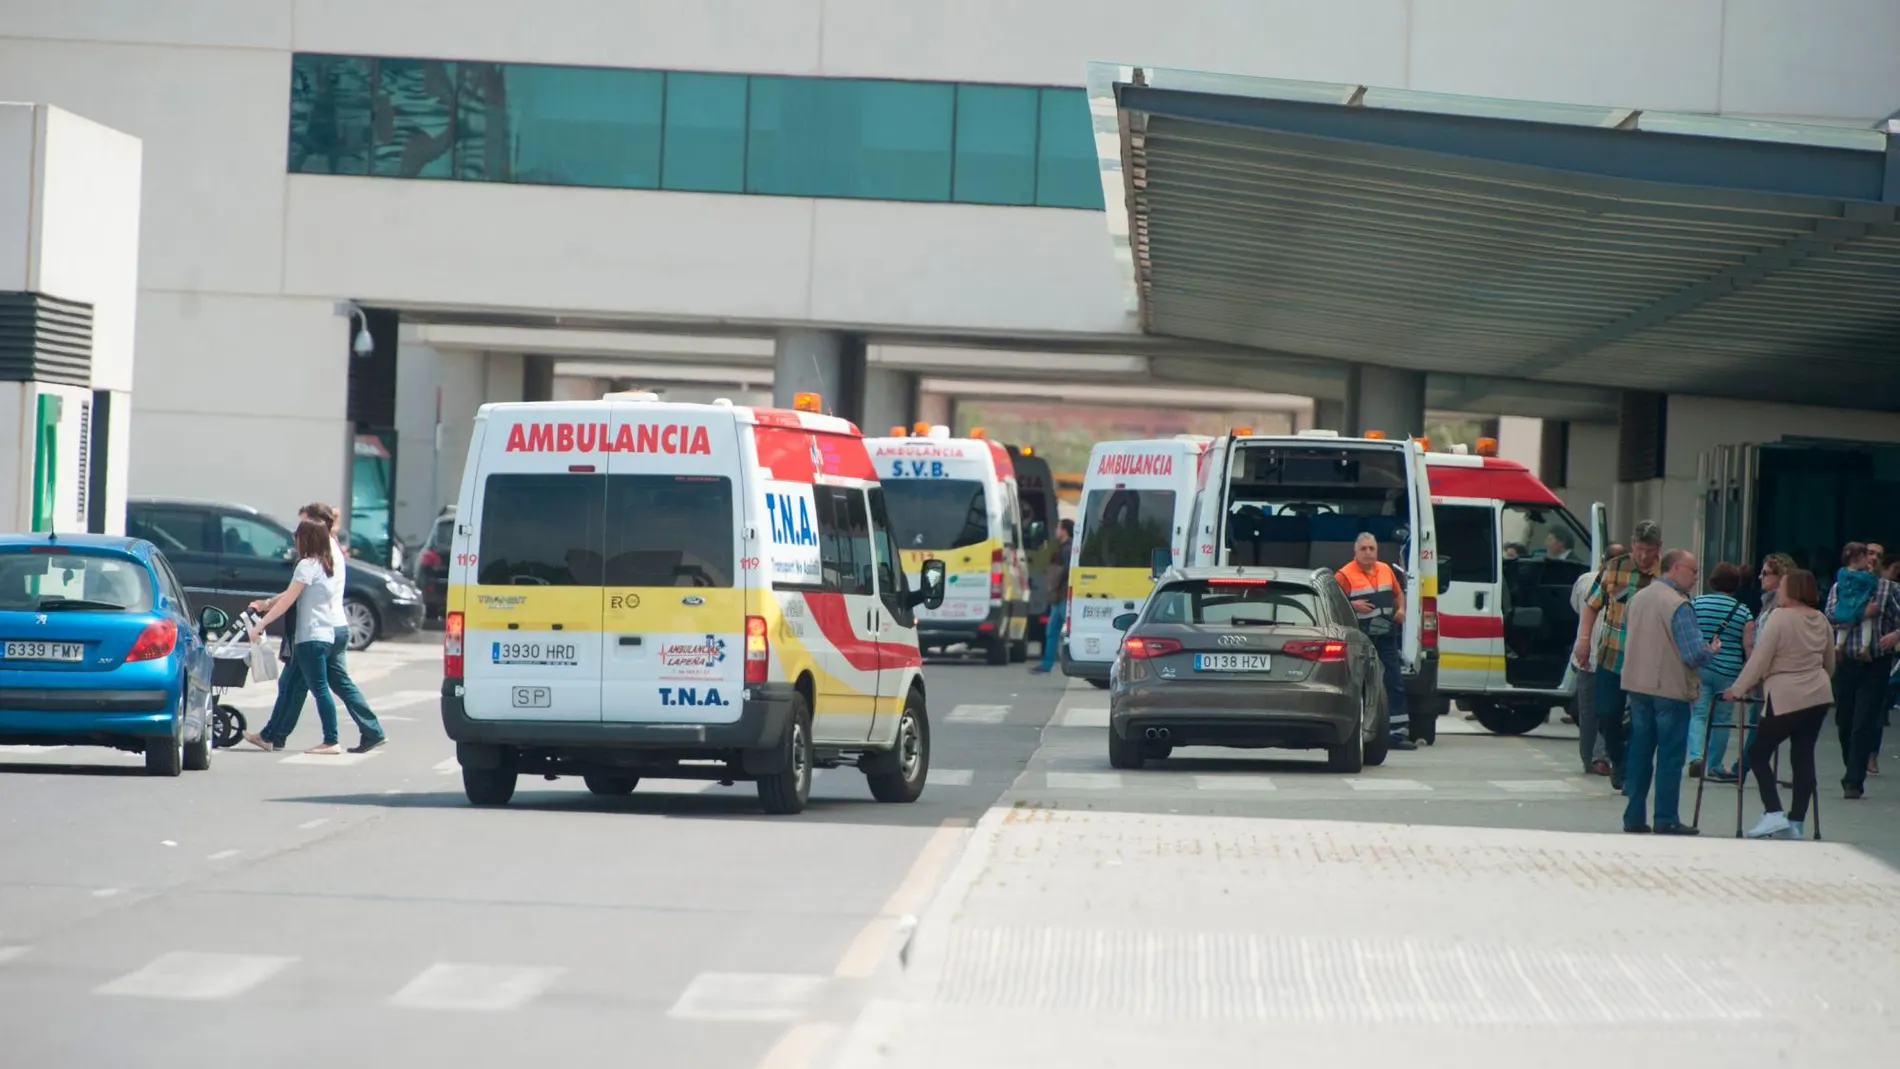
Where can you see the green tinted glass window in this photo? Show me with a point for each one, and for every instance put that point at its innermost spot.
(482, 142)
(705, 133)
(996, 144)
(584, 126)
(1067, 172)
(836, 137)
(415, 116)
(330, 114)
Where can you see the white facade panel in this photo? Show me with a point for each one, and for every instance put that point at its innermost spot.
(214, 125)
(198, 23)
(288, 462)
(1028, 270)
(681, 255)
(88, 242)
(743, 36)
(19, 133)
(1783, 60)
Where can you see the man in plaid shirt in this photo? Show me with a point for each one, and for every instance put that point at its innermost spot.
(1610, 595)
(1866, 656)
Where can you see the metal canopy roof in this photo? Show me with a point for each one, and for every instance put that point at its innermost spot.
(1507, 240)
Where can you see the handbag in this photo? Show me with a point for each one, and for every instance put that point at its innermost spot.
(263, 662)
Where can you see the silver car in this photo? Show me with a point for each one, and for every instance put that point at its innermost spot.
(1249, 658)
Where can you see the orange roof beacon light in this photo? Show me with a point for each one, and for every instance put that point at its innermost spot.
(1029, 450)
(1487, 447)
(977, 432)
(1424, 443)
(807, 402)
(1240, 432)
(897, 432)
(1377, 436)
(920, 428)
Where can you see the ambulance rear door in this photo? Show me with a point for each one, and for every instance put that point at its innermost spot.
(1136, 498)
(1470, 614)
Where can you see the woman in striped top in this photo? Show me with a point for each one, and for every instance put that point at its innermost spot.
(1721, 616)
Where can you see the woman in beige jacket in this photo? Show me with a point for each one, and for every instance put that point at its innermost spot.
(1792, 663)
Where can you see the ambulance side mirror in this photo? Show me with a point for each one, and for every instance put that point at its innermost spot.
(930, 594)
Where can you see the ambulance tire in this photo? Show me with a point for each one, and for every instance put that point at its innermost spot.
(488, 786)
(1099, 684)
(1019, 652)
(784, 793)
(1422, 725)
(900, 777)
(997, 651)
(1502, 719)
(611, 786)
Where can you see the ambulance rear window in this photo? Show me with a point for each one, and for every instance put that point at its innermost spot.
(937, 513)
(1123, 528)
(606, 530)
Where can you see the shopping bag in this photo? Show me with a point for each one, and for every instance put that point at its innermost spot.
(263, 662)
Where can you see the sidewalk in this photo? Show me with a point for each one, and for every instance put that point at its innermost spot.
(1107, 939)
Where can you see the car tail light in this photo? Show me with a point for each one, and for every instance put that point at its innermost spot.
(158, 639)
(1428, 623)
(430, 559)
(1068, 612)
(758, 650)
(1316, 649)
(1142, 649)
(452, 646)
(996, 575)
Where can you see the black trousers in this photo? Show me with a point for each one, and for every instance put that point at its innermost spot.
(1860, 711)
(1803, 726)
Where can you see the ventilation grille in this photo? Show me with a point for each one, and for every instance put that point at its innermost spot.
(85, 461)
(1645, 423)
(45, 339)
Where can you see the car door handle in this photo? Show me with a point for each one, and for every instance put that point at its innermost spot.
(629, 640)
(1477, 600)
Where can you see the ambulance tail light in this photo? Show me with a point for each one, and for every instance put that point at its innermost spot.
(996, 575)
(452, 646)
(1068, 612)
(1428, 623)
(758, 650)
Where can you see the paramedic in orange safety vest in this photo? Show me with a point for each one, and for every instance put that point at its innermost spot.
(1373, 587)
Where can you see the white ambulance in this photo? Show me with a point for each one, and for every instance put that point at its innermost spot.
(955, 500)
(641, 589)
(1300, 501)
(1136, 499)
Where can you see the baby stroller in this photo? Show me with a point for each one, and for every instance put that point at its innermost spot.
(230, 670)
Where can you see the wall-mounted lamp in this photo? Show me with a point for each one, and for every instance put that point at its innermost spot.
(362, 344)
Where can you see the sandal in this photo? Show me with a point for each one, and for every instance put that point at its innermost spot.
(261, 742)
(325, 748)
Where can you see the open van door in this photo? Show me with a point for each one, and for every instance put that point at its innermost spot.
(1599, 534)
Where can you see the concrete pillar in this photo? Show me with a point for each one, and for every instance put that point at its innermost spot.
(1385, 399)
(1329, 415)
(537, 378)
(829, 363)
(421, 489)
(890, 400)
(937, 409)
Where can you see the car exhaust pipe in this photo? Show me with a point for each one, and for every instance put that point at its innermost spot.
(1156, 734)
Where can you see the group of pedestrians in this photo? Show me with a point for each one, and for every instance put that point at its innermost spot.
(1674, 663)
(316, 639)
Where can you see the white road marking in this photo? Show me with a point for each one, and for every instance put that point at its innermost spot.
(861, 958)
(486, 988)
(1535, 786)
(1386, 785)
(451, 765)
(30, 750)
(12, 953)
(329, 759)
(716, 996)
(951, 777)
(1234, 783)
(979, 714)
(222, 854)
(105, 892)
(799, 1046)
(1084, 781)
(317, 823)
(678, 786)
(1084, 716)
(188, 975)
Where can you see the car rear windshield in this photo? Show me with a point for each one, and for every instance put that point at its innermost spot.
(1123, 528)
(1251, 604)
(37, 581)
(937, 513)
(606, 530)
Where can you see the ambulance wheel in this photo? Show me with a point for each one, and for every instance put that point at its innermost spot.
(612, 786)
(1512, 719)
(1423, 724)
(1099, 684)
(997, 651)
(784, 794)
(1019, 652)
(488, 786)
(899, 776)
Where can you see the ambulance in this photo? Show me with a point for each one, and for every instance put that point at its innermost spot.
(1036, 493)
(1300, 501)
(1136, 499)
(955, 500)
(1509, 556)
(644, 590)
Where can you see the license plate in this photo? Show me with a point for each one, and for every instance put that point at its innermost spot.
(1232, 662)
(533, 697)
(46, 651)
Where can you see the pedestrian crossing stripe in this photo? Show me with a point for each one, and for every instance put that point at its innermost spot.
(1159, 781)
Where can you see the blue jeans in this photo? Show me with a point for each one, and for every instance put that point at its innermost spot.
(1388, 647)
(291, 691)
(1659, 741)
(1708, 706)
(321, 665)
(1052, 633)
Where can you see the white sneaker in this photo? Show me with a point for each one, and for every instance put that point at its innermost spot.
(1795, 830)
(1772, 826)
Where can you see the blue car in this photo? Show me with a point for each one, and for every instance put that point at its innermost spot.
(98, 648)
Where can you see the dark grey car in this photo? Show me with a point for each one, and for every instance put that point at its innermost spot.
(1250, 658)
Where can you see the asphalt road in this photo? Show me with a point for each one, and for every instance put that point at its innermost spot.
(291, 910)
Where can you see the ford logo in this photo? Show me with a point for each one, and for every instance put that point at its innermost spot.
(692, 599)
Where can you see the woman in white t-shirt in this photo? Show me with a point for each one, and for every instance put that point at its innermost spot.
(323, 636)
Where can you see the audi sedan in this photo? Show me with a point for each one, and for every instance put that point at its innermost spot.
(1248, 658)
